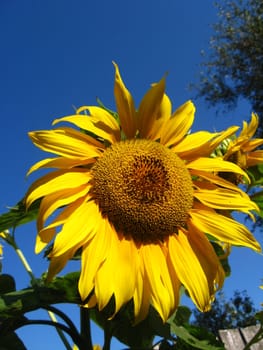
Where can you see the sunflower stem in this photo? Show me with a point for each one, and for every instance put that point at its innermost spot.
(74, 336)
(107, 336)
(59, 331)
(85, 328)
(26, 265)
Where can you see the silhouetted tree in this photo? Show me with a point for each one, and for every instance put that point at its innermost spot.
(234, 67)
(236, 312)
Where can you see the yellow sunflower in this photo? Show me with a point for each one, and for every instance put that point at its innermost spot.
(140, 196)
(241, 149)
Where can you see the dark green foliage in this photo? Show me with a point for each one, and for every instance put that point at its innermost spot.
(237, 312)
(19, 215)
(11, 342)
(234, 67)
(7, 283)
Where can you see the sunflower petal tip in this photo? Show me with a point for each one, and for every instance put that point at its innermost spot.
(55, 121)
(117, 72)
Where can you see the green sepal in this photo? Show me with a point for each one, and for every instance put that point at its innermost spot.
(111, 112)
(256, 175)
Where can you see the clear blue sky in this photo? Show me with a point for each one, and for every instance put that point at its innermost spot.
(56, 54)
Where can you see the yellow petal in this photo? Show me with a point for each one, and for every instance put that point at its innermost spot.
(57, 181)
(163, 115)
(125, 280)
(254, 158)
(90, 262)
(221, 137)
(178, 125)
(117, 274)
(189, 270)
(216, 165)
(207, 258)
(43, 238)
(225, 199)
(173, 275)
(84, 220)
(141, 297)
(223, 228)
(194, 145)
(56, 200)
(60, 163)
(95, 347)
(99, 114)
(91, 302)
(162, 293)
(202, 143)
(125, 105)
(104, 121)
(217, 180)
(58, 263)
(85, 122)
(66, 142)
(46, 234)
(249, 130)
(251, 145)
(149, 108)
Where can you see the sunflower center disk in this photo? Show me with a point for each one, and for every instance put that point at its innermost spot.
(143, 188)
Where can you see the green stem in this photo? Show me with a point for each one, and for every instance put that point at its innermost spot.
(59, 330)
(75, 337)
(85, 328)
(107, 336)
(61, 314)
(25, 264)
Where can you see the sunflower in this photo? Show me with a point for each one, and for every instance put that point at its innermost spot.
(139, 195)
(241, 149)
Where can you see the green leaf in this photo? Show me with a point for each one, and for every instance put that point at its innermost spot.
(60, 290)
(139, 336)
(19, 215)
(191, 337)
(67, 284)
(182, 315)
